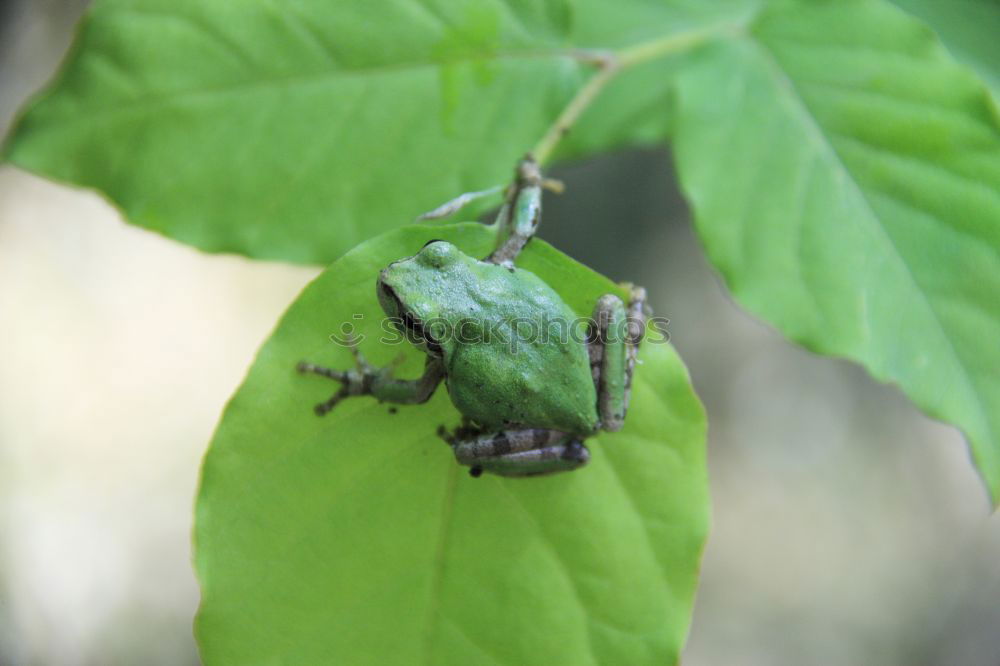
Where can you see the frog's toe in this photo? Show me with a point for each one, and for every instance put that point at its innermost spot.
(305, 367)
(576, 452)
(322, 408)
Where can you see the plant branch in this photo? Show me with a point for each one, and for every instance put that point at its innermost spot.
(610, 64)
(608, 68)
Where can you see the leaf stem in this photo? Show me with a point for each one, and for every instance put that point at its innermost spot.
(607, 70)
(609, 64)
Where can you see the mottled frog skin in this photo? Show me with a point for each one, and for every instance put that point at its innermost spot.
(497, 375)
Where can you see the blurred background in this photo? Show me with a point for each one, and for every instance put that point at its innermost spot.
(848, 528)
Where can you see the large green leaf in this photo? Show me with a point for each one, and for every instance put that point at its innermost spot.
(845, 176)
(356, 539)
(296, 130)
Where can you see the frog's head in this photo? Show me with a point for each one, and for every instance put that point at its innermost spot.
(412, 290)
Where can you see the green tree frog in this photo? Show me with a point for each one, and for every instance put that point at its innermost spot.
(529, 389)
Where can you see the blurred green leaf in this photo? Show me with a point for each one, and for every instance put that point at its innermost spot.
(356, 539)
(294, 131)
(969, 28)
(845, 176)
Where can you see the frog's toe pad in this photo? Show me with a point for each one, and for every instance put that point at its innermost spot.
(576, 452)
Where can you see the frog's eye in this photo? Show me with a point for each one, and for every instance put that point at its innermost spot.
(438, 253)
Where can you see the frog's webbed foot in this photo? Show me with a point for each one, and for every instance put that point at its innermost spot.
(353, 382)
(366, 379)
(613, 345)
(516, 452)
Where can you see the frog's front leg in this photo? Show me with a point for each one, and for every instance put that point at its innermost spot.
(366, 379)
(517, 452)
(613, 345)
(522, 209)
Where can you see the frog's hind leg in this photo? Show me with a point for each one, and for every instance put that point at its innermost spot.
(613, 345)
(521, 452)
(521, 212)
(366, 379)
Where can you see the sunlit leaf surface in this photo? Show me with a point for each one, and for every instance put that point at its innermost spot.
(356, 539)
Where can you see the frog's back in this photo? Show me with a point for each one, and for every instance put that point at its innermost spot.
(520, 360)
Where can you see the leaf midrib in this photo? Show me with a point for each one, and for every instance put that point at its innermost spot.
(582, 56)
(291, 80)
(438, 564)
